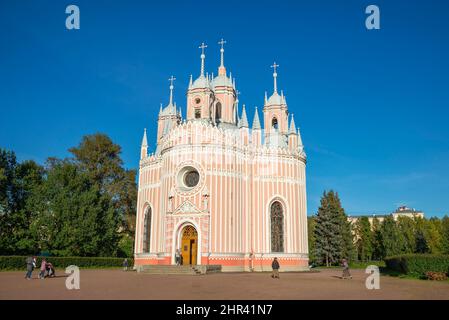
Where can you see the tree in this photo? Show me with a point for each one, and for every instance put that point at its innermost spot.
(71, 216)
(433, 234)
(421, 245)
(311, 223)
(391, 239)
(406, 226)
(364, 239)
(445, 234)
(377, 243)
(17, 181)
(332, 231)
(100, 158)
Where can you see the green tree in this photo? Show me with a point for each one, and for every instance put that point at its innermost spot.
(17, 181)
(71, 216)
(434, 238)
(364, 241)
(332, 231)
(391, 238)
(406, 226)
(445, 234)
(421, 245)
(100, 158)
(311, 223)
(377, 243)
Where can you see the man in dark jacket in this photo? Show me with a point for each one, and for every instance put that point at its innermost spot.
(275, 266)
(30, 267)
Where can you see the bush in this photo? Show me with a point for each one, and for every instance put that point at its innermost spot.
(18, 262)
(418, 264)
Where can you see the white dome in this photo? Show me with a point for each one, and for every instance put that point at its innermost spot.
(201, 82)
(221, 81)
(275, 99)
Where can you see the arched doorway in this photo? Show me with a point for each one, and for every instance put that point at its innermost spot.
(189, 245)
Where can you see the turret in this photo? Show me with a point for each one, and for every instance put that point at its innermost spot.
(244, 127)
(292, 136)
(169, 117)
(275, 110)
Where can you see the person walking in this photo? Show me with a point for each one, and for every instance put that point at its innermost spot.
(29, 263)
(346, 273)
(275, 266)
(43, 269)
(125, 265)
(178, 257)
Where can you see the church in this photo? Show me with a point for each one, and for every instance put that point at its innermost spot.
(220, 191)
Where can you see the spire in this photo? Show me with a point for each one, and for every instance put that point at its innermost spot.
(275, 75)
(299, 139)
(292, 126)
(203, 56)
(144, 139)
(191, 81)
(160, 109)
(266, 98)
(171, 89)
(244, 119)
(222, 69)
(256, 121)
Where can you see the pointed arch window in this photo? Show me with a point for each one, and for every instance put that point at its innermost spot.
(147, 231)
(277, 227)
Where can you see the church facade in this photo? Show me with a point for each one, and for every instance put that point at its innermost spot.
(219, 190)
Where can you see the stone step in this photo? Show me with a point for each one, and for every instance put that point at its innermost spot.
(173, 269)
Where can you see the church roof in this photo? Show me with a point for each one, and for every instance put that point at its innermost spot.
(222, 81)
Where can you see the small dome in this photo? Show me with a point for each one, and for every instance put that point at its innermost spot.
(275, 99)
(221, 81)
(201, 82)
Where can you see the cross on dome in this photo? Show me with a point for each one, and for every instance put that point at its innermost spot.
(203, 56)
(274, 66)
(171, 79)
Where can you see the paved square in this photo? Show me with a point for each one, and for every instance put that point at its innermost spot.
(117, 284)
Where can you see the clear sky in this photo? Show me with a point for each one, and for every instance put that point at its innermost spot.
(373, 106)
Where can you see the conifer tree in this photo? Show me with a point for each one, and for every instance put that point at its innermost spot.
(364, 239)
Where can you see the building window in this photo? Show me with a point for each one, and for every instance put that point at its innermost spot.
(191, 178)
(197, 100)
(188, 178)
(218, 111)
(197, 113)
(274, 123)
(277, 227)
(147, 231)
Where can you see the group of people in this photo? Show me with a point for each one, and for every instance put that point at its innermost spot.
(46, 268)
(344, 263)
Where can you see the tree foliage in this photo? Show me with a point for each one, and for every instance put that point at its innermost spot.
(333, 234)
(80, 206)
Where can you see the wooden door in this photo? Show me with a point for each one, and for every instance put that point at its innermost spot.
(189, 245)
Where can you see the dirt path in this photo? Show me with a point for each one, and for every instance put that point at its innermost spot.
(116, 284)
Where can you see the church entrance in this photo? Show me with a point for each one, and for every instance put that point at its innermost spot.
(189, 245)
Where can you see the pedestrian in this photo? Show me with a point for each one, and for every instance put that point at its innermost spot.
(178, 257)
(43, 268)
(29, 263)
(346, 273)
(125, 265)
(275, 266)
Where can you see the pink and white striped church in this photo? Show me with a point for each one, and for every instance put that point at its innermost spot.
(219, 191)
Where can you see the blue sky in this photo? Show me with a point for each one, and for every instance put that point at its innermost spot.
(373, 106)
